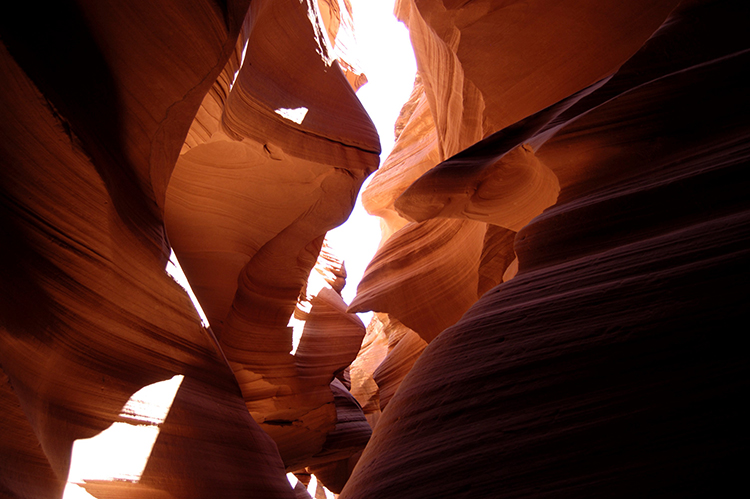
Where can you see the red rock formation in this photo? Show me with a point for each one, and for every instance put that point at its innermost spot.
(247, 271)
(482, 66)
(404, 348)
(566, 223)
(610, 365)
(448, 229)
(363, 386)
(97, 101)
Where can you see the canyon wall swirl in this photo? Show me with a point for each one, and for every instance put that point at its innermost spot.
(120, 121)
(559, 295)
(611, 364)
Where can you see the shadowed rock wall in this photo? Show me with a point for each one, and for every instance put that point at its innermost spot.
(611, 365)
(113, 124)
(560, 291)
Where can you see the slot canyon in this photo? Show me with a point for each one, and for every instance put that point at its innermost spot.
(558, 297)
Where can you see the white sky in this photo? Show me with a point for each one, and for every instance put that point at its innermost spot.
(388, 61)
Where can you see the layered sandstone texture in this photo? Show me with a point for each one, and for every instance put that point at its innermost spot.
(273, 160)
(591, 158)
(229, 133)
(560, 293)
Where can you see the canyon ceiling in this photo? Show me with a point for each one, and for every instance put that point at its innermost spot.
(559, 295)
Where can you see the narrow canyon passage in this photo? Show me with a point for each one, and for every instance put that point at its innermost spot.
(554, 294)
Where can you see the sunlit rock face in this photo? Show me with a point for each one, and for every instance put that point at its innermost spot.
(124, 131)
(248, 207)
(482, 66)
(463, 178)
(609, 361)
(559, 295)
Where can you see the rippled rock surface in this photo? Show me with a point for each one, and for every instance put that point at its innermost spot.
(608, 362)
(559, 297)
(227, 132)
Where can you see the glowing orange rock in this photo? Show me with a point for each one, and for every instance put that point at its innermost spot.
(247, 211)
(97, 99)
(610, 363)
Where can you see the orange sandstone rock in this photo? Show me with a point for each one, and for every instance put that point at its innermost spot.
(247, 211)
(425, 275)
(88, 314)
(610, 364)
(97, 102)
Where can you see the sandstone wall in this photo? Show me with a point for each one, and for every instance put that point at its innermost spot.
(560, 293)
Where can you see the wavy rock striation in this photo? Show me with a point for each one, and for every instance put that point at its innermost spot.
(292, 124)
(92, 124)
(121, 120)
(482, 66)
(559, 293)
(463, 176)
(610, 365)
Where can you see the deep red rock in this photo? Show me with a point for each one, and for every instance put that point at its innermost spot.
(611, 365)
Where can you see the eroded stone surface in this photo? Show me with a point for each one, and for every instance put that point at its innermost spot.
(247, 211)
(607, 366)
(565, 223)
(97, 102)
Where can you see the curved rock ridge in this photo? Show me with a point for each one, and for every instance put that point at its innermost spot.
(97, 98)
(404, 348)
(248, 209)
(498, 262)
(416, 144)
(284, 73)
(499, 61)
(610, 365)
(422, 257)
(498, 180)
(387, 354)
(482, 66)
(508, 192)
(329, 272)
(363, 387)
(207, 119)
(559, 292)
